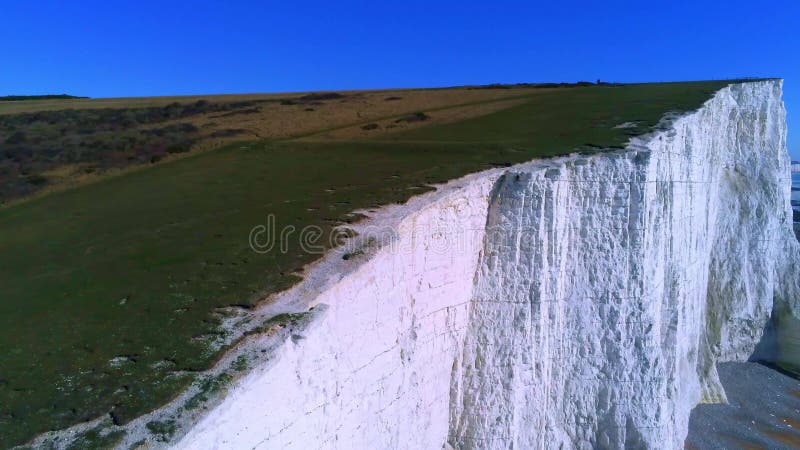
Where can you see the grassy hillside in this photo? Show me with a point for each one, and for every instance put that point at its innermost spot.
(52, 145)
(108, 289)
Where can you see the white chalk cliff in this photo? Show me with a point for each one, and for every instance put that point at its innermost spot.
(576, 302)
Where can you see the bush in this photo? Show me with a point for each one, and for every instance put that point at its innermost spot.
(177, 149)
(16, 138)
(163, 430)
(36, 180)
(416, 117)
(324, 96)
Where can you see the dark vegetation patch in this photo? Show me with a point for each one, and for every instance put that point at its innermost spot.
(312, 99)
(281, 320)
(370, 126)
(241, 364)
(16, 98)
(392, 98)
(228, 132)
(322, 97)
(493, 86)
(543, 85)
(416, 117)
(350, 255)
(240, 112)
(163, 430)
(31, 144)
(96, 439)
(209, 386)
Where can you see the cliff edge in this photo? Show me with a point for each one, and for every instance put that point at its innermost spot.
(574, 302)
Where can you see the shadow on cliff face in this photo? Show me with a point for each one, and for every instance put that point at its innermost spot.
(778, 348)
(766, 351)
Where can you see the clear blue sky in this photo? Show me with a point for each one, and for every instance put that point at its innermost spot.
(110, 48)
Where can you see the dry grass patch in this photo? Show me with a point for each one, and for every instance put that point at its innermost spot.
(352, 110)
(51, 147)
(401, 123)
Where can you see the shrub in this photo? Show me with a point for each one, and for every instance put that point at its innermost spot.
(416, 117)
(16, 138)
(163, 430)
(323, 96)
(177, 148)
(36, 180)
(228, 132)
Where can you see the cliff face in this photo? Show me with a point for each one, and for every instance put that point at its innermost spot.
(579, 301)
(616, 283)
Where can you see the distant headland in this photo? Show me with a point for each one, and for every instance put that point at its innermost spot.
(14, 98)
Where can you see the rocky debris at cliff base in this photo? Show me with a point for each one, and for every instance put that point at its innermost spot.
(763, 411)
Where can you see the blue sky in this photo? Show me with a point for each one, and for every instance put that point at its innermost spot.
(109, 48)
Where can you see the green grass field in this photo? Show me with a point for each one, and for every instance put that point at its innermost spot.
(132, 267)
